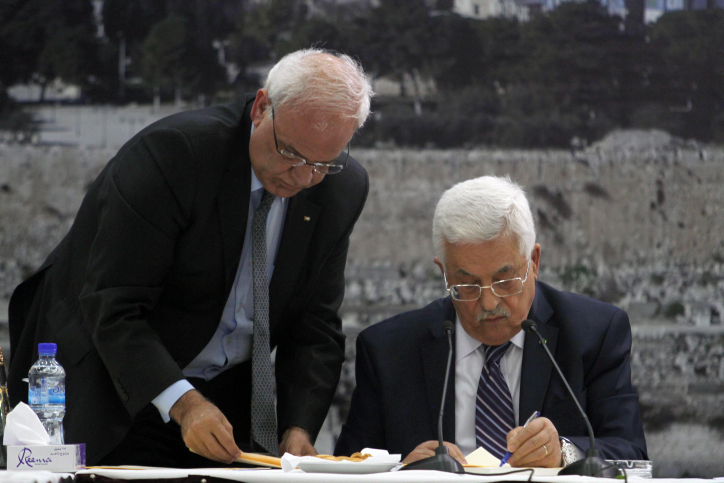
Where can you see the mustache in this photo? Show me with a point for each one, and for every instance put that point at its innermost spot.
(496, 312)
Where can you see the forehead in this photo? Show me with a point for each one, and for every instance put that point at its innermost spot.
(314, 135)
(483, 260)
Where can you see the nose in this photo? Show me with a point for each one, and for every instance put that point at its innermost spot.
(489, 300)
(302, 175)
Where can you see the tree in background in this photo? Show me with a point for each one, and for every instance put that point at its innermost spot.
(45, 40)
(691, 47)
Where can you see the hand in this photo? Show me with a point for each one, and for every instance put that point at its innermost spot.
(296, 441)
(427, 449)
(204, 428)
(536, 445)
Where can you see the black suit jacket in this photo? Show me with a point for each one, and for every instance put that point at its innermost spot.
(401, 362)
(137, 288)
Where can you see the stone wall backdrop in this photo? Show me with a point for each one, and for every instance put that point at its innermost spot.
(636, 220)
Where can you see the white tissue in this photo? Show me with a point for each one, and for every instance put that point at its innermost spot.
(23, 427)
(379, 456)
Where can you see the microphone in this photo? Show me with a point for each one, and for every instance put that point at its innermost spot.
(442, 461)
(592, 464)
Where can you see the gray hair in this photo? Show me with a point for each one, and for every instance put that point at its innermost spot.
(483, 209)
(310, 77)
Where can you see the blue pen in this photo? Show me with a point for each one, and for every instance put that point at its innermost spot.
(508, 454)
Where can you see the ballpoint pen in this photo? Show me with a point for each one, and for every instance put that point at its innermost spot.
(508, 454)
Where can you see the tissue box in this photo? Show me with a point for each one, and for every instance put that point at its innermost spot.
(63, 458)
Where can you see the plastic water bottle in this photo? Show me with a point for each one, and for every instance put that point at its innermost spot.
(47, 391)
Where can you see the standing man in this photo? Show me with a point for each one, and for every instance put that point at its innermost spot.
(484, 237)
(211, 238)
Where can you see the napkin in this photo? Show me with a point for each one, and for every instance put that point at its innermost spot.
(379, 456)
(23, 427)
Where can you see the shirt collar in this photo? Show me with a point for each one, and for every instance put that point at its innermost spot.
(255, 183)
(465, 344)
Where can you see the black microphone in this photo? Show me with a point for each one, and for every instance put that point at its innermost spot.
(442, 461)
(592, 464)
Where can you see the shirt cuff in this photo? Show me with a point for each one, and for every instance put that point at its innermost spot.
(165, 401)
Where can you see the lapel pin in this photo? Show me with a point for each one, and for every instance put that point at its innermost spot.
(306, 218)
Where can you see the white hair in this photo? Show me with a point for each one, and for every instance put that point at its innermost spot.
(324, 80)
(483, 209)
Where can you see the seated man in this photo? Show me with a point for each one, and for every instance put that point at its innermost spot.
(484, 236)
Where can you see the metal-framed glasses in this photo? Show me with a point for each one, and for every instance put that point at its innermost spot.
(323, 168)
(467, 292)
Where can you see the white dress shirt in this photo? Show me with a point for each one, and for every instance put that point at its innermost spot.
(468, 367)
(231, 344)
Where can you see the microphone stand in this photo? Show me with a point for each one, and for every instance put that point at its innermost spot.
(592, 464)
(442, 461)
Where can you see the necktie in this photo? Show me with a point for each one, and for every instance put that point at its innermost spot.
(494, 407)
(263, 412)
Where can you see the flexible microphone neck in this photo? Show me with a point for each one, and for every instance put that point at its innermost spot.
(448, 328)
(531, 327)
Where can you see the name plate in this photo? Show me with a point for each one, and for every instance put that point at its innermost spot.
(61, 458)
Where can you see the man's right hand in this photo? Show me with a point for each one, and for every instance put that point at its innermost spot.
(204, 428)
(427, 449)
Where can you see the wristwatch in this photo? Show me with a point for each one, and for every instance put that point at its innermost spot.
(569, 454)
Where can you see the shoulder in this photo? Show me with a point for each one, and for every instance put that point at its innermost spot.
(578, 312)
(407, 327)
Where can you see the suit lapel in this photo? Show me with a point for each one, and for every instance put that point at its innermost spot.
(537, 367)
(299, 223)
(433, 355)
(233, 201)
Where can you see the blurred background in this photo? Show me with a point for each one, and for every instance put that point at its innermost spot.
(610, 114)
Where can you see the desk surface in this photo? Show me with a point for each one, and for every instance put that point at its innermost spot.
(269, 475)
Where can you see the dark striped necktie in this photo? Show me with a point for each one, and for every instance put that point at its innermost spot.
(494, 407)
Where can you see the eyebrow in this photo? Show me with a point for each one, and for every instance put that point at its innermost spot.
(503, 269)
(287, 147)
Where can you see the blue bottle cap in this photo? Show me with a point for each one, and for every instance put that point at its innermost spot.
(47, 348)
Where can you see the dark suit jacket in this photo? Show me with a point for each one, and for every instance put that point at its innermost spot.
(137, 288)
(401, 368)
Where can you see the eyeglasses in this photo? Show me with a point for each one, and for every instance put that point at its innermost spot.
(323, 168)
(503, 288)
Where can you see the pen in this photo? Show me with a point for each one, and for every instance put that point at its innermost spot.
(508, 454)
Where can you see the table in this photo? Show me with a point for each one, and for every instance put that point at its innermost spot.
(298, 476)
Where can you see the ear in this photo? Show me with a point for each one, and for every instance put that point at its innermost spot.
(261, 104)
(535, 259)
(439, 264)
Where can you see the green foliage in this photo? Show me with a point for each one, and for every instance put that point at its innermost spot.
(43, 40)
(674, 309)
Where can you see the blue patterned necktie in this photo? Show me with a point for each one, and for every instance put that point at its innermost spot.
(263, 412)
(494, 407)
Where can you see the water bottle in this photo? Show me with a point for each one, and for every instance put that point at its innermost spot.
(47, 391)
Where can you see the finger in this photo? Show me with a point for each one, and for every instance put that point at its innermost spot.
(514, 438)
(224, 437)
(456, 453)
(535, 437)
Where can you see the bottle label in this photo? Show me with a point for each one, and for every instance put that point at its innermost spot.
(34, 396)
(56, 395)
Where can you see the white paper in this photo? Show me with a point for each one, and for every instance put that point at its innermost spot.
(23, 427)
(482, 457)
(379, 456)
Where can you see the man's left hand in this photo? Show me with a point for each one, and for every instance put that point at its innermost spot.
(536, 445)
(297, 442)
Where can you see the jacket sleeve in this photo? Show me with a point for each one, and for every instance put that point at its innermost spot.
(612, 404)
(311, 352)
(364, 427)
(143, 205)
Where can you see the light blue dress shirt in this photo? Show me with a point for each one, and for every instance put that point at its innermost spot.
(231, 344)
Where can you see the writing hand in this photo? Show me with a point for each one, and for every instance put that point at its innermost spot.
(536, 445)
(204, 428)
